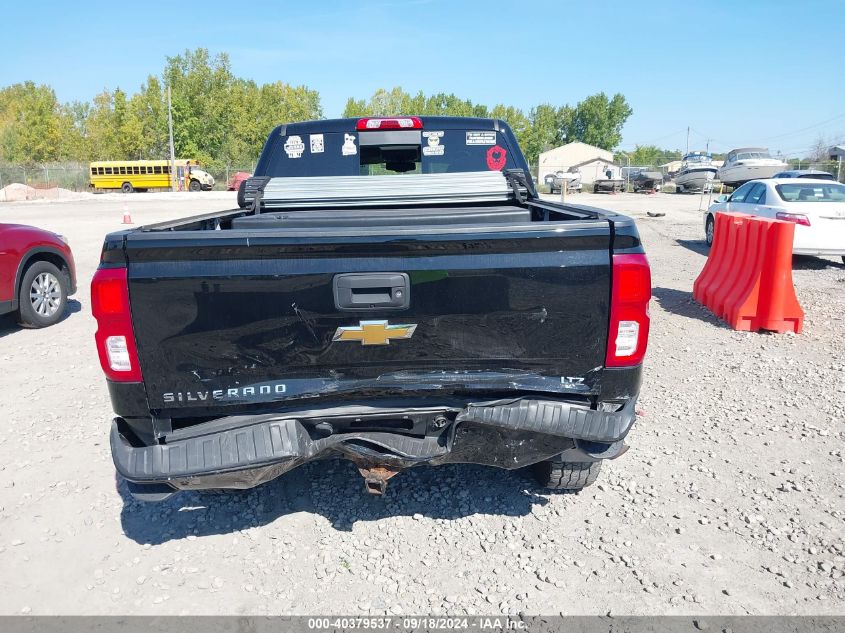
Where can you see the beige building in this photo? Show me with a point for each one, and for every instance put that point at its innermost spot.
(672, 167)
(576, 154)
(597, 169)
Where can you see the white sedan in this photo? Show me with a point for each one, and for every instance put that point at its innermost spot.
(817, 207)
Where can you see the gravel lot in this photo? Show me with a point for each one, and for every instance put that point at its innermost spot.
(729, 501)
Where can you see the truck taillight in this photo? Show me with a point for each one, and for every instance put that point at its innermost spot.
(390, 123)
(629, 318)
(115, 337)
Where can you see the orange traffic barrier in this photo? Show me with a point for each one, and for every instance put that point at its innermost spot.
(745, 293)
(718, 263)
(747, 280)
(781, 312)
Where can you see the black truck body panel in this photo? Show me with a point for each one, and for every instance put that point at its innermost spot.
(252, 346)
(238, 316)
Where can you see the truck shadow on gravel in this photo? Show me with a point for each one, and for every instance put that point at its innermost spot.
(680, 302)
(335, 491)
(696, 246)
(9, 324)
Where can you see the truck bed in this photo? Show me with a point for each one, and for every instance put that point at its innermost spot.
(424, 216)
(530, 211)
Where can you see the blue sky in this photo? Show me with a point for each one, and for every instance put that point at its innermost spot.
(747, 72)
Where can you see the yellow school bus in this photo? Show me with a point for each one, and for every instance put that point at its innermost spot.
(141, 175)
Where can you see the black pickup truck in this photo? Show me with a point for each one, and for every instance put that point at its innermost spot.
(394, 292)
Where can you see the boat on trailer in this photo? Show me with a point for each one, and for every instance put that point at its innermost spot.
(749, 163)
(697, 172)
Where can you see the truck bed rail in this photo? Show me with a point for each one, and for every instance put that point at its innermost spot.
(362, 191)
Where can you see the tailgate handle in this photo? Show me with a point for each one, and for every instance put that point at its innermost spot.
(371, 291)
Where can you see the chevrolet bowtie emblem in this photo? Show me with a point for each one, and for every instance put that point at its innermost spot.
(374, 332)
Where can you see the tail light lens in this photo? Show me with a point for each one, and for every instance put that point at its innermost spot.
(390, 123)
(629, 318)
(115, 337)
(797, 218)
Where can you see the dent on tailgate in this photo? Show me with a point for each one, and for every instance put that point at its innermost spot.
(491, 311)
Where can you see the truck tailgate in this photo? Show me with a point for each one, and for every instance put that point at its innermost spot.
(247, 318)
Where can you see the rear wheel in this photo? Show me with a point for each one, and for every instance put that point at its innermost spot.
(127, 187)
(559, 475)
(195, 185)
(43, 295)
(709, 229)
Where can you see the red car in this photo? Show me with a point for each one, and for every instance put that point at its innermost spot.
(237, 178)
(37, 274)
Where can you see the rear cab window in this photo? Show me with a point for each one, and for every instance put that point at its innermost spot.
(431, 150)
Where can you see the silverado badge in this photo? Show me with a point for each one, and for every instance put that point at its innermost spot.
(374, 332)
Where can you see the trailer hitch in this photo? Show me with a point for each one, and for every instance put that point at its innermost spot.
(376, 477)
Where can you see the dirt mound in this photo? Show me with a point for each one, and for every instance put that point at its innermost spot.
(17, 192)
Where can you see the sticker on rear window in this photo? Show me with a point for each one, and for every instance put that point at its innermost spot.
(317, 145)
(349, 148)
(496, 158)
(294, 147)
(434, 148)
(481, 138)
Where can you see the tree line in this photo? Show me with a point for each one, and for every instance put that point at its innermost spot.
(221, 119)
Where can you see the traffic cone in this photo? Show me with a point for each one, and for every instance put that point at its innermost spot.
(127, 218)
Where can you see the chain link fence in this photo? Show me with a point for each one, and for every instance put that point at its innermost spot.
(73, 176)
(830, 166)
(222, 175)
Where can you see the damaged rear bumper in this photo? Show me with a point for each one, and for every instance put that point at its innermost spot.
(245, 451)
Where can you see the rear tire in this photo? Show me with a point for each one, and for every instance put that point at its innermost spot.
(43, 295)
(195, 185)
(127, 187)
(559, 475)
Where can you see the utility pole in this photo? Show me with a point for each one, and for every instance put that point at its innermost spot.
(687, 139)
(172, 150)
(627, 171)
